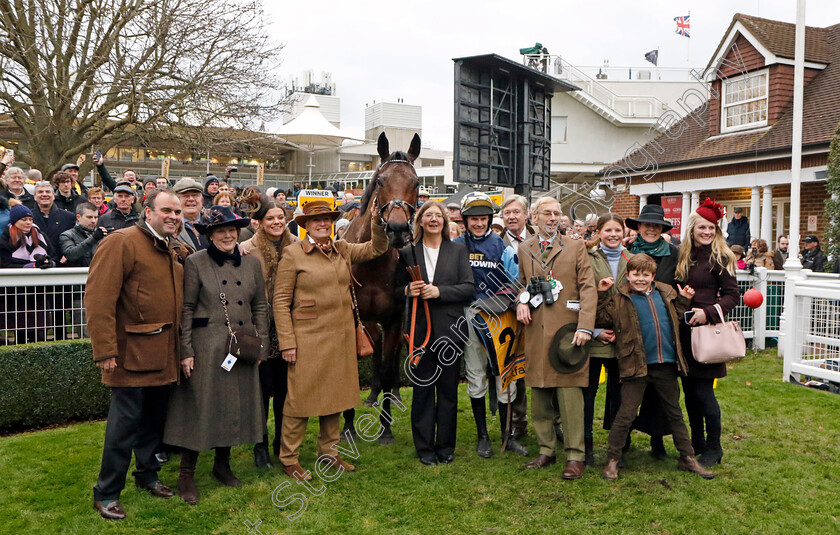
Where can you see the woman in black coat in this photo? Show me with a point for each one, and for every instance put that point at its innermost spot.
(447, 286)
(651, 225)
(708, 265)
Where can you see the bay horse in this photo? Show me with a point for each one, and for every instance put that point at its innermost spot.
(394, 185)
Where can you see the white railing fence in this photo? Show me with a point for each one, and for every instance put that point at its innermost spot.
(44, 305)
(39, 305)
(812, 329)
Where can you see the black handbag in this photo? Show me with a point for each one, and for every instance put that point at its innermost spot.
(244, 346)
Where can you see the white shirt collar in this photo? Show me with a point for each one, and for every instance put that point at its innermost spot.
(155, 234)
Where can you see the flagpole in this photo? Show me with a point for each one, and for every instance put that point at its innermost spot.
(688, 46)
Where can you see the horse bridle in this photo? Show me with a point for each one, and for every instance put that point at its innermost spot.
(407, 208)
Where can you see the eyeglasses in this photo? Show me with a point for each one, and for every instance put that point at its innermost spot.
(432, 215)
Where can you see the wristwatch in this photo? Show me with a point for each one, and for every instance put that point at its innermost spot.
(524, 297)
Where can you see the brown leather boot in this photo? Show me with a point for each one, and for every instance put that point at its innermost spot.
(688, 463)
(336, 460)
(296, 471)
(186, 478)
(610, 470)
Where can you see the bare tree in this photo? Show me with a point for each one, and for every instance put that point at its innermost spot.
(76, 73)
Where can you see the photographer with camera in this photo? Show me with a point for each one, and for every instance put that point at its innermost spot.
(558, 310)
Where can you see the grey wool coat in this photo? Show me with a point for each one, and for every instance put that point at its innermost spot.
(216, 408)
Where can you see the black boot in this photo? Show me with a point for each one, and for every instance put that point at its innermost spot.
(221, 469)
(589, 455)
(512, 444)
(261, 457)
(186, 477)
(713, 453)
(698, 438)
(657, 448)
(482, 446)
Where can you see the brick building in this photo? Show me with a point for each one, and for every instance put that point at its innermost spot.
(736, 147)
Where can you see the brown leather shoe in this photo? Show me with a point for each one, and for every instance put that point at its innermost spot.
(688, 463)
(296, 471)
(541, 461)
(336, 459)
(574, 470)
(610, 470)
(112, 511)
(158, 490)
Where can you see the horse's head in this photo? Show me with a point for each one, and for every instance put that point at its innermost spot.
(395, 185)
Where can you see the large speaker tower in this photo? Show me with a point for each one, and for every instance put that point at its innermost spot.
(503, 123)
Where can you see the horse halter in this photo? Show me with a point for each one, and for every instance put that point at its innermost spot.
(407, 208)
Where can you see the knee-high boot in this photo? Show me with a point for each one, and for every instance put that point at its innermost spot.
(186, 477)
(714, 451)
(221, 469)
(482, 446)
(512, 444)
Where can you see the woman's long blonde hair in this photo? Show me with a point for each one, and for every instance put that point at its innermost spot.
(722, 255)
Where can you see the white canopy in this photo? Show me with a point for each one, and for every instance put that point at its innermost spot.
(311, 130)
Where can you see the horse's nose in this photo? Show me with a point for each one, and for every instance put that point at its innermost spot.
(399, 233)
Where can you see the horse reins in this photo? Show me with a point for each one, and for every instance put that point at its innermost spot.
(413, 271)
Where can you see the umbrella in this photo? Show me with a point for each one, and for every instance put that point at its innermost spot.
(311, 130)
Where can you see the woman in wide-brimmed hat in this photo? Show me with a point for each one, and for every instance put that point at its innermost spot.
(217, 407)
(651, 226)
(316, 331)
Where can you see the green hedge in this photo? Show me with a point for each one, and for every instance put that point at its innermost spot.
(49, 383)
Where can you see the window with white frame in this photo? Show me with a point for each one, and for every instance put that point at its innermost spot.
(744, 102)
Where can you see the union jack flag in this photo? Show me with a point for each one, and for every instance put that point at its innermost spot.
(683, 25)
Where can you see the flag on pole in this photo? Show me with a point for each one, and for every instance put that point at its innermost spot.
(653, 57)
(683, 25)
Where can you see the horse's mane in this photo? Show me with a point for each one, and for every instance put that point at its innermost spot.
(371, 187)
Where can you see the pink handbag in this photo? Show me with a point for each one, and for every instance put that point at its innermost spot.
(719, 342)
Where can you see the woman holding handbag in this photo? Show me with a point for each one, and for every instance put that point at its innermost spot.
(316, 331)
(708, 265)
(447, 286)
(267, 244)
(217, 403)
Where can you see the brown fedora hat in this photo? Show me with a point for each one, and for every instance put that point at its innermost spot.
(316, 208)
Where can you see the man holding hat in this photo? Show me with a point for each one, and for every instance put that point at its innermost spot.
(557, 306)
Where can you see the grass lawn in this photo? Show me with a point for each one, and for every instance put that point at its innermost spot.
(779, 475)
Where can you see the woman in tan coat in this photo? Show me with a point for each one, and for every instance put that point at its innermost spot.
(267, 245)
(565, 262)
(316, 331)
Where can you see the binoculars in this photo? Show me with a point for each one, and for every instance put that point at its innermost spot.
(539, 285)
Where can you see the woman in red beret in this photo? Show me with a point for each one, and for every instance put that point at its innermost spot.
(708, 265)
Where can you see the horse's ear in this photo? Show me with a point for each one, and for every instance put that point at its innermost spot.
(382, 147)
(414, 148)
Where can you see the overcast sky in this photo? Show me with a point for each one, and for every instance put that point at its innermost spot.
(383, 50)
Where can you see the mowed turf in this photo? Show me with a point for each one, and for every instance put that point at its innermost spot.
(780, 474)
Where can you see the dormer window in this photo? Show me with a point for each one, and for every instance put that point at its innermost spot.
(744, 102)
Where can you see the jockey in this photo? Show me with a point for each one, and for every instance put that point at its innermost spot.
(494, 265)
